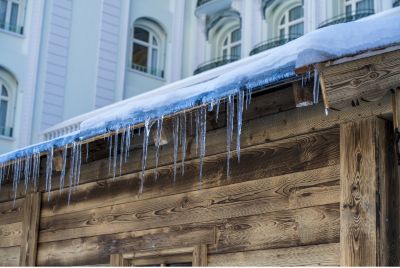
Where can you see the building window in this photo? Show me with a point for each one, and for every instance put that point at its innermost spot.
(147, 49)
(358, 6)
(4, 106)
(232, 44)
(11, 17)
(291, 24)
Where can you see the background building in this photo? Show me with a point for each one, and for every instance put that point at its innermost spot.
(62, 59)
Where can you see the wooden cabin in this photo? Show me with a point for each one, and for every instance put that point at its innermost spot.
(310, 188)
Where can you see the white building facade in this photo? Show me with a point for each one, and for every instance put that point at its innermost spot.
(60, 60)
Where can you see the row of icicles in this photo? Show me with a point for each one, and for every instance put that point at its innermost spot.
(119, 144)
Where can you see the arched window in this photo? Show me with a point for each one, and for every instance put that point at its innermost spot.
(291, 23)
(4, 106)
(354, 7)
(148, 48)
(11, 15)
(231, 45)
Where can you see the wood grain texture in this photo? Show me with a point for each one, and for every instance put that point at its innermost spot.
(118, 260)
(235, 200)
(11, 212)
(364, 79)
(30, 229)
(200, 256)
(366, 173)
(257, 131)
(302, 94)
(303, 152)
(9, 256)
(10, 234)
(297, 227)
(316, 255)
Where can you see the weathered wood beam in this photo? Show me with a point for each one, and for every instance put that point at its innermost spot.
(30, 229)
(303, 94)
(200, 256)
(117, 260)
(367, 226)
(367, 79)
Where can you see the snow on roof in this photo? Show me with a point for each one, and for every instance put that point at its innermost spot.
(263, 69)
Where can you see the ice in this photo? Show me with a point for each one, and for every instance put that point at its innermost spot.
(200, 92)
(230, 111)
(147, 127)
(63, 168)
(316, 86)
(158, 141)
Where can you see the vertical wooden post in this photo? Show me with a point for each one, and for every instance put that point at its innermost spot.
(118, 260)
(367, 225)
(30, 229)
(200, 256)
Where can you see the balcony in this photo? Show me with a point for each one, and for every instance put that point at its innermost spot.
(6, 131)
(151, 71)
(396, 3)
(208, 7)
(12, 28)
(215, 63)
(274, 42)
(347, 17)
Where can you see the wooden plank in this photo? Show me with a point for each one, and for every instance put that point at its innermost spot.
(117, 260)
(368, 79)
(366, 169)
(10, 235)
(306, 226)
(302, 94)
(240, 199)
(200, 256)
(172, 260)
(304, 152)
(316, 255)
(258, 131)
(9, 256)
(30, 229)
(11, 212)
(396, 108)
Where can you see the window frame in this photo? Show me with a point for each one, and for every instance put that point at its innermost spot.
(19, 26)
(155, 31)
(229, 44)
(8, 99)
(352, 4)
(287, 24)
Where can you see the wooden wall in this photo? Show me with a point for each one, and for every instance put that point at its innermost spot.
(280, 205)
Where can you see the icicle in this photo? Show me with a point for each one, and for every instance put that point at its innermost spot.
(36, 169)
(175, 137)
(27, 172)
(87, 152)
(147, 127)
(63, 168)
(115, 153)
(109, 143)
(316, 86)
(79, 163)
(183, 138)
(326, 111)
(71, 172)
(230, 110)
(240, 100)
(127, 142)
(158, 141)
(203, 134)
(121, 151)
(49, 171)
(197, 122)
(217, 110)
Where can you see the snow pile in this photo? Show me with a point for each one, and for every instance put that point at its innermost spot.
(234, 81)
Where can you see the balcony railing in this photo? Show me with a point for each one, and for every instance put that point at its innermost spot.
(202, 2)
(151, 71)
(12, 28)
(347, 17)
(396, 3)
(215, 63)
(6, 131)
(274, 42)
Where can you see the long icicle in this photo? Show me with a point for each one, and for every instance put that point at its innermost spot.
(239, 118)
(158, 141)
(63, 168)
(175, 137)
(49, 171)
(147, 127)
(183, 138)
(230, 111)
(115, 153)
(203, 134)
